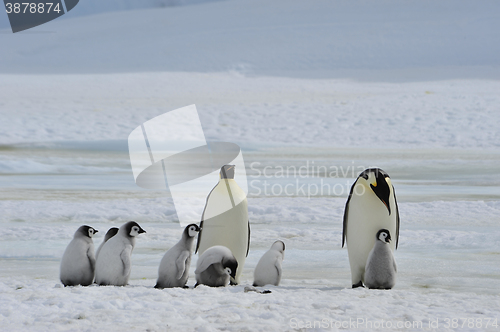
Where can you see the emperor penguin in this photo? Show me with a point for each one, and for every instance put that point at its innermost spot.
(381, 269)
(174, 267)
(78, 261)
(225, 219)
(215, 267)
(268, 269)
(113, 264)
(371, 206)
(109, 234)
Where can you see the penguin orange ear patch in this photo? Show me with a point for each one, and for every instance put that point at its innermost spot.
(26, 14)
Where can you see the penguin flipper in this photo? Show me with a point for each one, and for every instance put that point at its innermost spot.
(277, 265)
(90, 255)
(394, 265)
(180, 263)
(248, 243)
(199, 236)
(397, 217)
(125, 257)
(346, 213)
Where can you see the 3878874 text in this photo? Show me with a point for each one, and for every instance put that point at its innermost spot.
(454, 323)
(31, 7)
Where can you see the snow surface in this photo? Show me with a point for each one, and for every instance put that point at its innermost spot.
(409, 87)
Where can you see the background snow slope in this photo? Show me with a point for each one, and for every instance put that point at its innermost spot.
(383, 40)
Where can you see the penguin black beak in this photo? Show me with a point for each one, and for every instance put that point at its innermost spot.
(141, 231)
(95, 231)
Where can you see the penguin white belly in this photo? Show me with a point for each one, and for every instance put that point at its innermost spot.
(75, 264)
(230, 228)
(366, 216)
(110, 267)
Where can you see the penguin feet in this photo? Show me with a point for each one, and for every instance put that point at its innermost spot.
(359, 284)
(187, 287)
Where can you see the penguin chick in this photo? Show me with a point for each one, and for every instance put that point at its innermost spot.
(380, 270)
(268, 269)
(174, 267)
(215, 267)
(78, 261)
(109, 234)
(113, 264)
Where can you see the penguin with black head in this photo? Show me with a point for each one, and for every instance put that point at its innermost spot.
(371, 206)
(225, 219)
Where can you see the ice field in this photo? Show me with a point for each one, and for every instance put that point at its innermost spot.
(425, 109)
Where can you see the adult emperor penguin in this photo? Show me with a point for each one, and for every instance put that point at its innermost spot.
(113, 264)
(174, 267)
(371, 206)
(225, 219)
(381, 269)
(78, 261)
(268, 269)
(215, 267)
(109, 234)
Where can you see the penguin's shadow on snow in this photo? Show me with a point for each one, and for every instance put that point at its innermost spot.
(305, 288)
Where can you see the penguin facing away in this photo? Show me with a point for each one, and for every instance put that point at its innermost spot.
(215, 267)
(230, 228)
(78, 261)
(109, 234)
(113, 265)
(381, 269)
(371, 206)
(268, 269)
(174, 267)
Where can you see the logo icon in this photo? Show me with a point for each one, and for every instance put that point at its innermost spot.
(170, 152)
(26, 14)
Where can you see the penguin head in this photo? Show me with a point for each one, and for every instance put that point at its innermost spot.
(230, 265)
(279, 246)
(133, 229)
(110, 233)
(191, 230)
(378, 182)
(227, 172)
(86, 231)
(384, 235)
